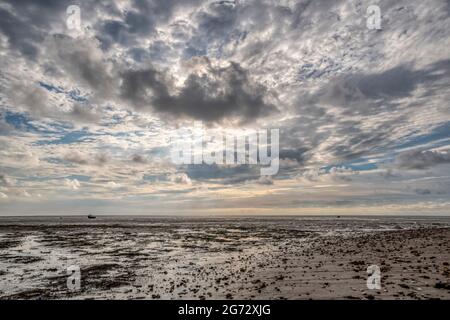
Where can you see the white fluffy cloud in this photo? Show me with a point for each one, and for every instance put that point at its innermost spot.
(72, 184)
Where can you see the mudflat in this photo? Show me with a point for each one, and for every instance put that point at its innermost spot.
(225, 258)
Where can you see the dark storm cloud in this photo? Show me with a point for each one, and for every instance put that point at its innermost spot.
(294, 154)
(417, 159)
(400, 81)
(21, 36)
(223, 92)
(113, 31)
(373, 93)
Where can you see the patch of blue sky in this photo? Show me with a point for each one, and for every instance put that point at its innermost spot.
(22, 122)
(73, 94)
(19, 121)
(116, 118)
(356, 165)
(438, 137)
(52, 127)
(51, 88)
(70, 137)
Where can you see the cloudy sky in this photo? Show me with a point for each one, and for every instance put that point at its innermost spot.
(86, 115)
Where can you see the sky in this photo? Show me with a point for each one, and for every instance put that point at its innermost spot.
(87, 114)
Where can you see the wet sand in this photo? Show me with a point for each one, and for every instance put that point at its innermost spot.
(225, 258)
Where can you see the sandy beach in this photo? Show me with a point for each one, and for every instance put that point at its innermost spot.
(225, 258)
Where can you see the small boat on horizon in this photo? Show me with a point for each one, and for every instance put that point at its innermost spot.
(91, 216)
